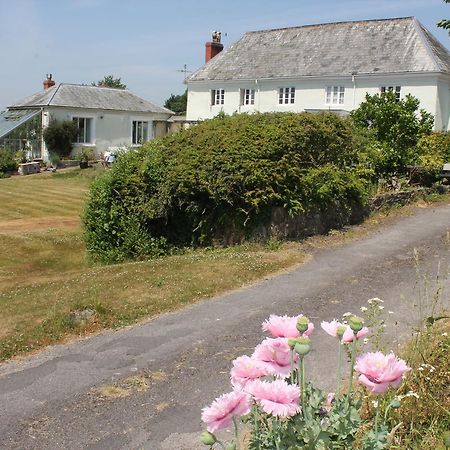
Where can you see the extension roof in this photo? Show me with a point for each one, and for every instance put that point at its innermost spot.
(385, 46)
(89, 97)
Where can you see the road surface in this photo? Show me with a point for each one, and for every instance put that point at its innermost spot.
(69, 396)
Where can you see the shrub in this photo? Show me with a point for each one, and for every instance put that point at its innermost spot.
(59, 137)
(433, 151)
(223, 174)
(393, 128)
(7, 161)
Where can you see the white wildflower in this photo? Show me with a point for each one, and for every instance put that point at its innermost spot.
(380, 307)
(375, 403)
(363, 309)
(347, 314)
(390, 312)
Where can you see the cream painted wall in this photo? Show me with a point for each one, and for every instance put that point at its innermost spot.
(109, 128)
(311, 95)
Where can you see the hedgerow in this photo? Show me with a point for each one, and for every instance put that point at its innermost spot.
(220, 175)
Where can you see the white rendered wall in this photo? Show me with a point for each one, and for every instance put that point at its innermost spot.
(109, 128)
(310, 95)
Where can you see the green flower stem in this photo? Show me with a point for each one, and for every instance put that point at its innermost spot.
(236, 433)
(377, 413)
(255, 419)
(352, 367)
(339, 369)
(301, 363)
(276, 433)
(292, 366)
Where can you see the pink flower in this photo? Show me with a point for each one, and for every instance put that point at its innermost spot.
(378, 371)
(277, 397)
(246, 369)
(285, 326)
(220, 414)
(349, 336)
(331, 327)
(275, 355)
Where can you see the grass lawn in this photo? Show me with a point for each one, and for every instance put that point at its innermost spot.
(46, 277)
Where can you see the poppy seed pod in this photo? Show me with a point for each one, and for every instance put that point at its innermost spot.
(302, 324)
(302, 346)
(356, 323)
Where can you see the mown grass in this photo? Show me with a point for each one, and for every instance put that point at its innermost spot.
(46, 276)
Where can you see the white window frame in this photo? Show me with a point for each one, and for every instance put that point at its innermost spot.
(247, 97)
(91, 122)
(334, 95)
(286, 95)
(217, 97)
(139, 120)
(397, 90)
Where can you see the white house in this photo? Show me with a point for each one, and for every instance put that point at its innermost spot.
(106, 117)
(323, 67)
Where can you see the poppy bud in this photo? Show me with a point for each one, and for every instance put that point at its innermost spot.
(208, 438)
(356, 323)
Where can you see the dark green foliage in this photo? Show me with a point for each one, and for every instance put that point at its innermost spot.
(177, 103)
(8, 162)
(221, 178)
(444, 23)
(59, 137)
(391, 129)
(110, 81)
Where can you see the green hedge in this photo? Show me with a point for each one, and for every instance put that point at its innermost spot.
(7, 162)
(223, 174)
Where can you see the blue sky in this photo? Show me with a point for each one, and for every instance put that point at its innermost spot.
(145, 42)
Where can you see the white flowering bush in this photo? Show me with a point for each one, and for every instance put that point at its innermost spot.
(282, 410)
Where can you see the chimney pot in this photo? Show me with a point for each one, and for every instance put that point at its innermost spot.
(48, 82)
(213, 48)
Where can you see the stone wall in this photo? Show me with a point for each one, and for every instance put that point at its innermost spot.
(283, 226)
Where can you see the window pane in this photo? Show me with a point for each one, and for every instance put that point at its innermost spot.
(88, 130)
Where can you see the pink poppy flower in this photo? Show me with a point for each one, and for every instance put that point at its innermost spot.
(275, 355)
(276, 397)
(285, 326)
(349, 336)
(331, 327)
(220, 414)
(378, 371)
(246, 369)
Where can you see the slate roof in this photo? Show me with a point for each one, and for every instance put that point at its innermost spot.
(332, 49)
(89, 97)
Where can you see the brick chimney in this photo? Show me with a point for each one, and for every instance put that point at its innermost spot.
(213, 48)
(48, 83)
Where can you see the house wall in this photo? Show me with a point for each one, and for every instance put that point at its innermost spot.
(109, 128)
(310, 95)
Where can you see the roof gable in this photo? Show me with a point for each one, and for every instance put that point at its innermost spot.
(89, 97)
(333, 49)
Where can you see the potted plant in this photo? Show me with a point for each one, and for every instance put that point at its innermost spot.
(85, 155)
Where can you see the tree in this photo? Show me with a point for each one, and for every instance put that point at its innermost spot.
(394, 127)
(444, 23)
(177, 103)
(59, 137)
(110, 81)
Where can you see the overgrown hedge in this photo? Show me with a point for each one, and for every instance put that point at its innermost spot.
(7, 162)
(223, 174)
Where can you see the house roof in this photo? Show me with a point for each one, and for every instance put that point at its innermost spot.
(89, 97)
(332, 49)
(9, 120)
